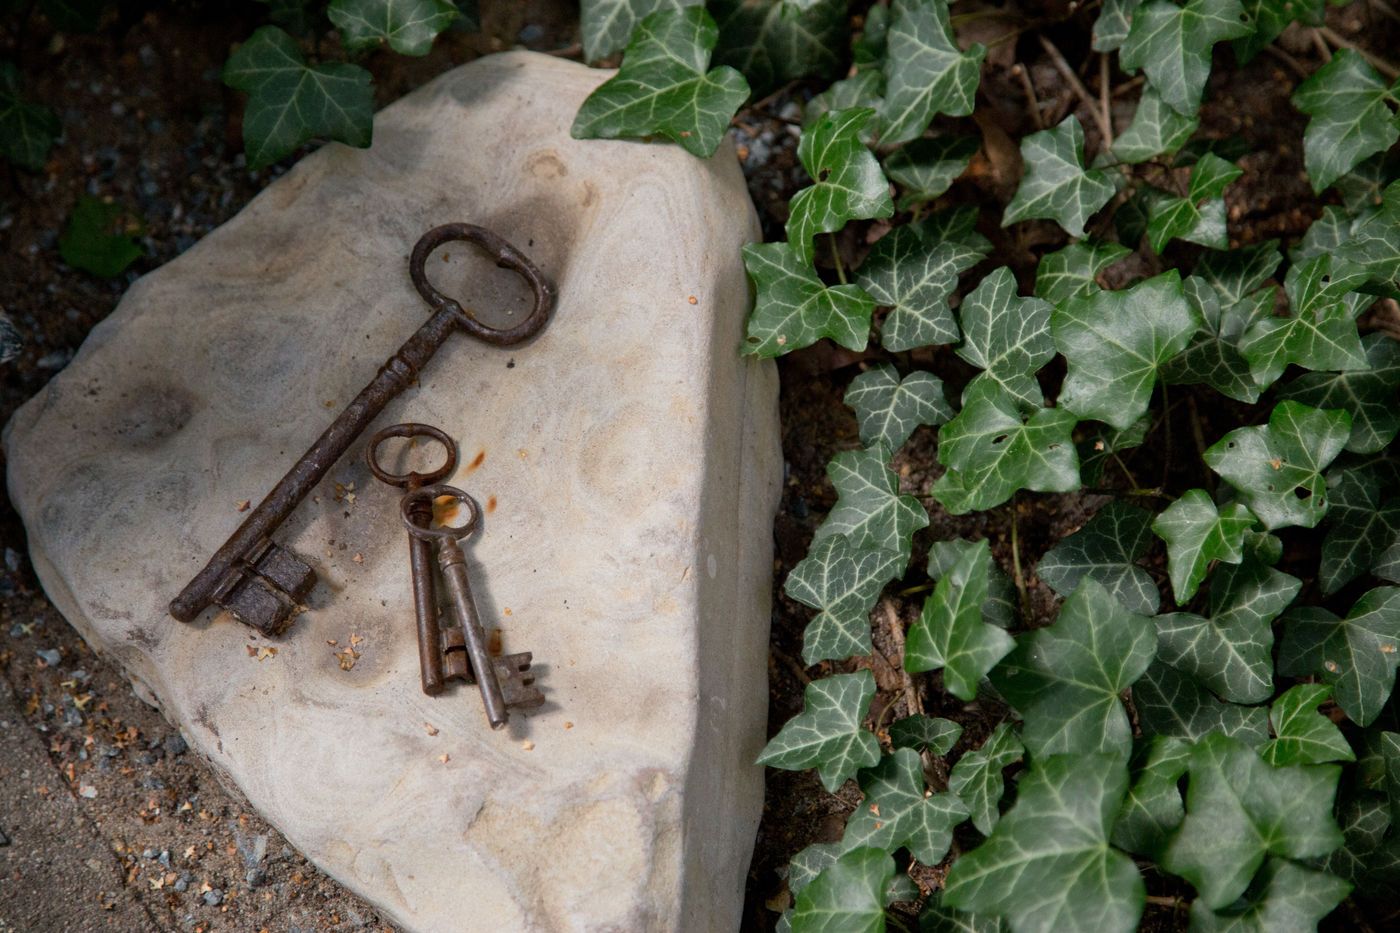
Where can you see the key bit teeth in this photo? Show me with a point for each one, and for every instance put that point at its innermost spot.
(517, 681)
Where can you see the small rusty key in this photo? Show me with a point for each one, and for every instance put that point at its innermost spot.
(261, 582)
(420, 551)
(504, 682)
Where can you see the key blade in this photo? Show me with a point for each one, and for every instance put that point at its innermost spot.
(517, 681)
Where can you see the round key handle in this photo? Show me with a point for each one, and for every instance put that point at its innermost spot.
(411, 479)
(429, 494)
(507, 257)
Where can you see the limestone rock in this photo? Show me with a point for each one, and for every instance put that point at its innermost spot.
(627, 459)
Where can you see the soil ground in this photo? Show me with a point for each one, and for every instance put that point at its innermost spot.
(110, 823)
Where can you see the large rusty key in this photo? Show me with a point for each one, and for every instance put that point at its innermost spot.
(259, 581)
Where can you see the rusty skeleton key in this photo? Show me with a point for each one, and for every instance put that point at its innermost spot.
(261, 582)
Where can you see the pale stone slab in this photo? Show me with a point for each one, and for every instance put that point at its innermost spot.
(630, 467)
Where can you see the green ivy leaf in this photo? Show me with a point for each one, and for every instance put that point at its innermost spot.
(1373, 245)
(1213, 356)
(1356, 655)
(844, 582)
(927, 167)
(1105, 444)
(897, 814)
(1172, 44)
(607, 24)
(794, 309)
(1169, 702)
(1056, 186)
(848, 897)
(1349, 104)
(1362, 526)
(1156, 129)
(1002, 605)
(1239, 810)
(1304, 736)
(1152, 810)
(925, 71)
(950, 633)
(773, 42)
(1114, 343)
(863, 89)
(1271, 18)
(914, 275)
(1196, 533)
(1368, 394)
(888, 409)
(1065, 679)
(806, 866)
(100, 238)
(1320, 333)
(1073, 271)
(827, 734)
(1235, 274)
(1007, 337)
(1111, 28)
(1367, 857)
(1048, 864)
(27, 131)
(977, 777)
(406, 26)
(992, 451)
(1200, 216)
(664, 88)
(1284, 896)
(935, 918)
(291, 102)
(1277, 469)
(1364, 186)
(925, 733)
(849, 184)
(869, 509)
(1106, 549)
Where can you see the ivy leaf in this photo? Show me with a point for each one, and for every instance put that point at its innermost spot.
(849, 183)
(1056, 186)
(914, 276)
(1200, 216)
(607, 24)
(1319, 334)
(1065, 679)
(1105, 444)
(1305, 737)
(1367, 857)
(1106, 549)
(664, 88)
(1364, 186)
(848, 896)
(1285, 896)
(1213, 356)
(844, 582)
(925, 71)
(950, 633)
(1373, 245)
(1237, 273)
(977, 777)
(869, 509)
(291, 102)
(1073, 271)
(1196, 533)
(1156, 129)
(1361, 528)
(1048, 864)
(27, 131)
(1114, 343)
(1277, 469)
(1271, 18)
(1007, 337)
(1368, 394)
(1111, 28)
(897, 814)
(935, 918)
(807, 865)
(992, 451)
(827, 734)
(406, 26)
(100, 238)
(1356, 655)
(1169, 702)
(925, 733)
(794, 309)
(1239, 810)
(1172, 44)
(1153, 807)
(863, 89)
(888, 409)
(927, 167)
(1230, 652)
(1002, 604)
(773, 42)
(1349, 104)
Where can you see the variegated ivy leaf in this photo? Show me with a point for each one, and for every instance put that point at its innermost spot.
(897, 814)
(1283, 896)
(977, 777)
(1106, 549)
(1350, 106)
(1367, 856)
(1373, 244)
(1169, 702)
(1172, 44)
(827, 734)
(1073, 271)
(1200, 216)
(773, 42)
(844, 582)
(1231, 652)
(1213, 356)
(1304, 736)
(1048, 864)
(1240, 810)
(1361, 527)
(925, 168)
(665, 87)
(848, 895)
(1111, 28)
(1368, 394)
(888, 409)
(992, 450)
(1197, 533)
(869, 509)
(1235, 274)
(1114, 342)
(607, 24)
(807, 865)
(950, 633)
(1271, 18)
(1277, 468)
(1356, 655)
(1056, 186)
(1364, 186)
(1156, 129)
(406, 26)
(1153, 808)
(1065, 679)
(925, 72)
(1002, 606)
(794, 309)
(925, 733)
(863, 89)
(1007, 337)
(848, 182)
(914, 275)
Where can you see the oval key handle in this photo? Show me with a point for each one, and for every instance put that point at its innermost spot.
(411, 479)
(507, 257)
(428, 494)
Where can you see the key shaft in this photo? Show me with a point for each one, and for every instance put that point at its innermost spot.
(454, 573)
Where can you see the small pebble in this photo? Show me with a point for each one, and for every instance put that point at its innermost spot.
(148, 853)
(214, 898)
(255, 877)
(49, 656)
(175, 745)
(182, 885)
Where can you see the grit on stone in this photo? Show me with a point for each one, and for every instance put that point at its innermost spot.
(627, 460)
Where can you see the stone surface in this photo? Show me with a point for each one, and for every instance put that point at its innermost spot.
(627, 459)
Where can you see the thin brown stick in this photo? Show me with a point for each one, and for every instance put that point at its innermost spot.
(896, 629)
(792, 665)
(1386, 9)
(1322, 48)
(1378, 63)
(1032, 99)
(1078, 87)
(1104, 99)
(1296, 66)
